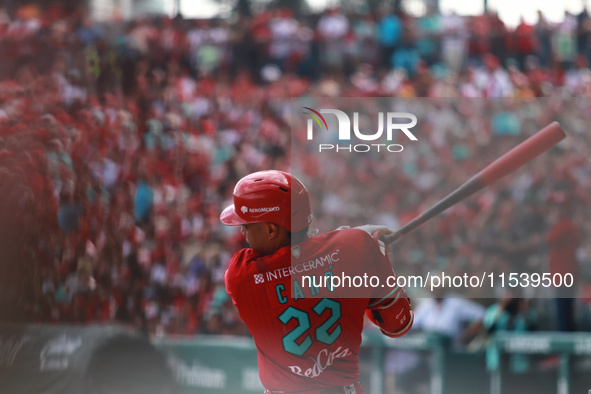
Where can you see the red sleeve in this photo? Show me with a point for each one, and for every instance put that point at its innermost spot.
(233, 274)
(229, 276)
(228, 287)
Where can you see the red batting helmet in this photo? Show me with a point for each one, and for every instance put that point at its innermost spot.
(269, 196)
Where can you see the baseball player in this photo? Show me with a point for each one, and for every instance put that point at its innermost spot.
(307, 337)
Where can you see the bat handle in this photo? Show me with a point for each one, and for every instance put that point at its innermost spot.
(388, 239)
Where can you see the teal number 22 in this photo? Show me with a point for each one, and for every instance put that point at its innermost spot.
(321, 333)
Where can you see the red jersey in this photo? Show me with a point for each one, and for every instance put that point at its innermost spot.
(308, 337)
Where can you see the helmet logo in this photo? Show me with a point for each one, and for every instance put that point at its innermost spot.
(264, 209)
(296, 251)
(245, 209)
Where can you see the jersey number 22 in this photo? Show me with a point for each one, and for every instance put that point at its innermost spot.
(290, 341)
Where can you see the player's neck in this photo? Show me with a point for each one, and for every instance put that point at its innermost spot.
(299, 236)
(284, 240)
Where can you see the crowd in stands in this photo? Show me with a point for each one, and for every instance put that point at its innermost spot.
(131, 138)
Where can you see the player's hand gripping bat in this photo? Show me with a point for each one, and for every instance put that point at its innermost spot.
(507, 163)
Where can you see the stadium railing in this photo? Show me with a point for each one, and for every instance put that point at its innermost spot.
(221, 364)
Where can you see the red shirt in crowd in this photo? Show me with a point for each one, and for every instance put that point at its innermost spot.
(563, 239)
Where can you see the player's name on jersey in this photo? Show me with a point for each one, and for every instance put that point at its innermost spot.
(300, 268)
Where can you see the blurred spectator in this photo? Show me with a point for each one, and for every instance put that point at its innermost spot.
(525, 42)
(88, 33)
(457, 320)
(143, 201)
(583, 32)
(563, 240)
(509, 315)
(493, 79)
(389, 37)
(454, 41)
(332, 28)
(429, 29)
(69, 213)
(564, 41)
(364, 48)
(498, 37)
(479, 39)
(283, 28)
(543, 29)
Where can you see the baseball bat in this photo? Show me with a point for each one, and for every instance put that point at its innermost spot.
(507, 163)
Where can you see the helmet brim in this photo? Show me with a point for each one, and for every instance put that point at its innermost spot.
(230, 218)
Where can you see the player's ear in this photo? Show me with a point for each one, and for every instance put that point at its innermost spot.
(272, 230)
